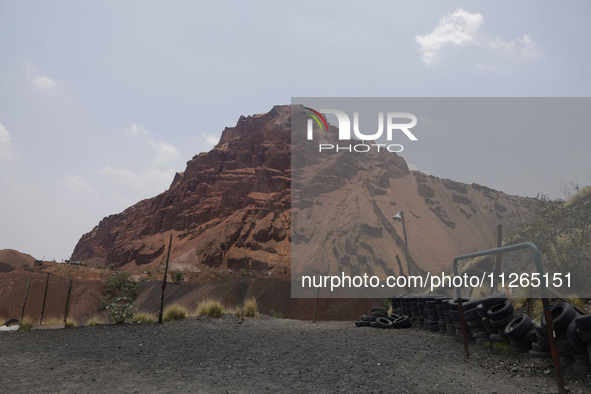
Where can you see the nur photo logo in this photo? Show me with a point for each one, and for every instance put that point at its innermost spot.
(392, 120)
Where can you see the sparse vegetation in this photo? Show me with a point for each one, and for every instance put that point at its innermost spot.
(71, 323)
(275, 314)
(117, 286)
(209, 307)
(144, 317)
(121, 310)
(251, 308)
(93, 321)
(339, 311)
(177, 276)
(174, 312)
(26, 324)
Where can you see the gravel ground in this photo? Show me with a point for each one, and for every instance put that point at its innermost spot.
(204, 355)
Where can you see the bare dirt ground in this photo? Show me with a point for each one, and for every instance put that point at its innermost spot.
(205, 355)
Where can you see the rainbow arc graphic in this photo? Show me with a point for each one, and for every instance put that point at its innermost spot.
(315, 115)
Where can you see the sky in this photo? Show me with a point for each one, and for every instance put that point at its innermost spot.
(101, 102)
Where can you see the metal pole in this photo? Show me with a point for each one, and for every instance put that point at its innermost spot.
(68, 301)
(315, 305)
(44, 298)
(25, 301)
(402, 272)
(497, 267)
(164, 281)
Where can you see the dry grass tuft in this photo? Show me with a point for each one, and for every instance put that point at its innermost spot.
(93, 321)
(26, 324)
(209, 307)
(71, 322)
(174, 312)
(251, 309)
(144, 317)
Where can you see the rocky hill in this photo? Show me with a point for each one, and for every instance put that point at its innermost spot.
(231, 209)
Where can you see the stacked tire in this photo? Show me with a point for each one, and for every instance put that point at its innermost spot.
(468, 304)
(440, 304)
(562, 316)
(582, 329)
(380, 318)
(499, 315)
(521, 333)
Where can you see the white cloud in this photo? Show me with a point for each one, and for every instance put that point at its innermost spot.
(6, 150)
(165, 153)
(75, 184)
(136, 130)
(41, 81)
(461, 29)
(522, 46)
(212, 139)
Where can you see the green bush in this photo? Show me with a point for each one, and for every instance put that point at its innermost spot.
(211, 308)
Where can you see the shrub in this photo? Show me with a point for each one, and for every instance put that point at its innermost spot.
(211, 308)
(26, 324)
(93, 321)
(174, 312)
(238, 310)
(118, 285)
(251, 308)
(176, 276)
(275, 314)
(121, 310)
(144, 317)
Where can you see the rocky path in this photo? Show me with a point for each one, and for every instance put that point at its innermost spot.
(204, 355)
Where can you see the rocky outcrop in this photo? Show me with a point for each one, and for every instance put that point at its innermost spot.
(228, 209)
(232, 209)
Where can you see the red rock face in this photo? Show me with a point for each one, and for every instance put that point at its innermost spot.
(231, 209)
(228, 210)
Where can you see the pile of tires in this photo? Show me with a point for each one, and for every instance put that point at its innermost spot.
(442, 309)
(499, 315)
(380, 318)
(571, 348)
(468, 304)
(582, 332)
(479, 322)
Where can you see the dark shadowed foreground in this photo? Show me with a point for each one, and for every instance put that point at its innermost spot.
(204, 355)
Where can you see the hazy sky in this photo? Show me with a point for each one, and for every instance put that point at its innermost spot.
(101, 102)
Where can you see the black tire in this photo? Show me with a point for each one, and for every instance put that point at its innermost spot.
(382, 322)
(578, 368)
(544, 342)
(372, 324)
(582, 359)
(541, 330)
(379, 313)
(471, 314)
(10, 321)
(496, 338)
(573, 339)
(486, 322)
(367, 318)
(493, 299)
(501, 324)
(520, 344)
(402, 322)
(518, 326)
(362, 323)
(378, 309)
(500, 311)
(585, 336)
(536, 354)
(481, 311)
(481, 334)
(529, 336)
(455, 315)
(475, 323)
(562, 314)
(536, 347)
(453, 303)
(392, 316)
(584, 323)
